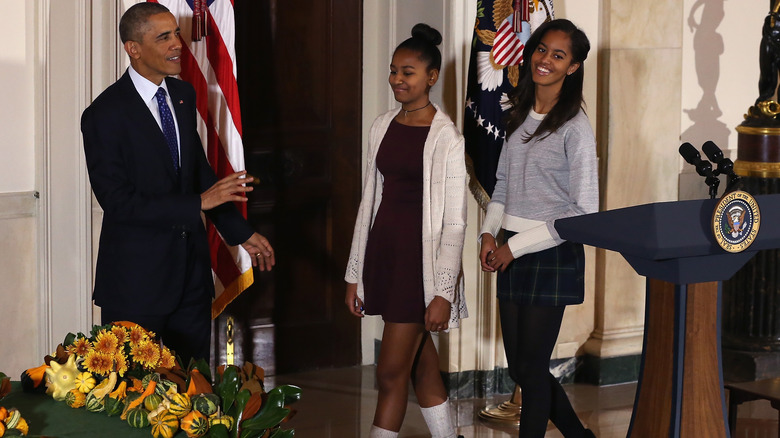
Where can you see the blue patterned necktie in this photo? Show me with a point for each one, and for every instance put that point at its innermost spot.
(169, 129)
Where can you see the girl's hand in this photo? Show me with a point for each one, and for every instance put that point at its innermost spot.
(486, 252)
(500, 258)
(437, 315)
(354, 304)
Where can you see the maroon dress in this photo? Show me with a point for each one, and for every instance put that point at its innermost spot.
(392, 272)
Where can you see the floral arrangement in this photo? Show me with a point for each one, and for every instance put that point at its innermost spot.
(11, 420)
(122, 347)
(121, 370)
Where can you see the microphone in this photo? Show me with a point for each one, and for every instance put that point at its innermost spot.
(703, 167)
(725, 165)
(712, 151)
(691, 155)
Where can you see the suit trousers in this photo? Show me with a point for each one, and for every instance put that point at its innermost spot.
(186, 330)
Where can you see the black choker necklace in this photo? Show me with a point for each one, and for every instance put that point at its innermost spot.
(406, 112)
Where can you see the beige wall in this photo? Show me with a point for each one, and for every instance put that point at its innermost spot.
(643, 75)
(18, 207)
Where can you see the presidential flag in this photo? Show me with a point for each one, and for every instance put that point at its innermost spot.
(208, 62)
(501, 29)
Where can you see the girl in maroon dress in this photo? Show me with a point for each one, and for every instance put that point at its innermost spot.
(405, 263)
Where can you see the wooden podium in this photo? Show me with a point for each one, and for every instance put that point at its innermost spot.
(680, 391)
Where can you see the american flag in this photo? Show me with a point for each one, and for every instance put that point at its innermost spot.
(208, 62)
(500, 31)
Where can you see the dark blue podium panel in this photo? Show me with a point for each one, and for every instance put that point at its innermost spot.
(672, 241)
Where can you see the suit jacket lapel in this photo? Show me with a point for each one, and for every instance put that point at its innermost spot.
(141, 118)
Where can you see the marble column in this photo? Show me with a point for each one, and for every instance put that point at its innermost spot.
(638, 135)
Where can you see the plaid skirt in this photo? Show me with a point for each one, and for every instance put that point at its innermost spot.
(553, 277)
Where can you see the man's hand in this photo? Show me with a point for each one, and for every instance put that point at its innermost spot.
(437, 315)
(229, 188)
(260, 251)
(354, 304)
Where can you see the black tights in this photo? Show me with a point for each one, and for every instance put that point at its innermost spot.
(530, 333)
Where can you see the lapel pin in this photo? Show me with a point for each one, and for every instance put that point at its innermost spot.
(181, 102)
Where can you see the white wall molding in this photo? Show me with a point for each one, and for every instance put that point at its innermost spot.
(43, 140)
(18, 205)
(64, 229)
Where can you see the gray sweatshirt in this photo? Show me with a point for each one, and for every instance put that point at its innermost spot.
(541, 181)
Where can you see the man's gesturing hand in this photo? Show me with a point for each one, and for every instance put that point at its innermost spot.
(229, 188)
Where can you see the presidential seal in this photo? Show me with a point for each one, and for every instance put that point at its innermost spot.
(735, 221)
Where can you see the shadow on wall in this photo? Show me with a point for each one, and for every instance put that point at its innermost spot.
(707, 47)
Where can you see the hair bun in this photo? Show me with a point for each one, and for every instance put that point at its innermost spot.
(426, 33)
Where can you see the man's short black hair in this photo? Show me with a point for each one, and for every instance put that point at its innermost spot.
(131, 25)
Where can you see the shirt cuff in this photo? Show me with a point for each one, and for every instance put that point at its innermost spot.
(492, 223)
(531, 240)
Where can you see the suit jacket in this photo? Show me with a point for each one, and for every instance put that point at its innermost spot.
(152, 218)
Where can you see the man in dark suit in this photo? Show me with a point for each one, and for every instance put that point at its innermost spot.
(150, 175)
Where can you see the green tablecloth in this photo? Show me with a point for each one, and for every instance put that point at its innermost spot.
(49, 418)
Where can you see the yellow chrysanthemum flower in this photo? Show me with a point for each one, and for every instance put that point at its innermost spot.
(99, 363)
(120, 333)
(120, 363)
(167, 360)
(80, 347)
(146, 353)
(137, 335)
(106, 342)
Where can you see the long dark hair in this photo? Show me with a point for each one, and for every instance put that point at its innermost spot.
(522, 97)
(424, 40)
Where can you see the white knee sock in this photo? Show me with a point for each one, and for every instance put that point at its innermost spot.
(439, 420)
(378, 432)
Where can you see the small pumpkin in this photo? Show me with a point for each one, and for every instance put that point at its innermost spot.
(164, 425)
(151, 377)
(33, 379)
(2, 428)
(85, 382)
(96, 399)
(138, 417)
(131, 398)
(3, 414)
(134, 401)
(61, 378)
(152, 401)
(22, 426)
(13, 418)
(75, 398)
(206, 404)
(180, 405)
(195, 424)
(223, 419)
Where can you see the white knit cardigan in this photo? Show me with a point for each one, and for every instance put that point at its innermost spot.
(444, 212)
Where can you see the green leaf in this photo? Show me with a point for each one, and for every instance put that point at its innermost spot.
(228, 386)
(203, 367)
(242, 398)
(69, 338)
(281, 433)
(290, 393)
(218, 431)
(266, 418)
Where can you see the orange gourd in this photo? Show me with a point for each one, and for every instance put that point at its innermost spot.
(149, 391)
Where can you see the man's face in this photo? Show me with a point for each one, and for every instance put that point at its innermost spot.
(158, 54)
